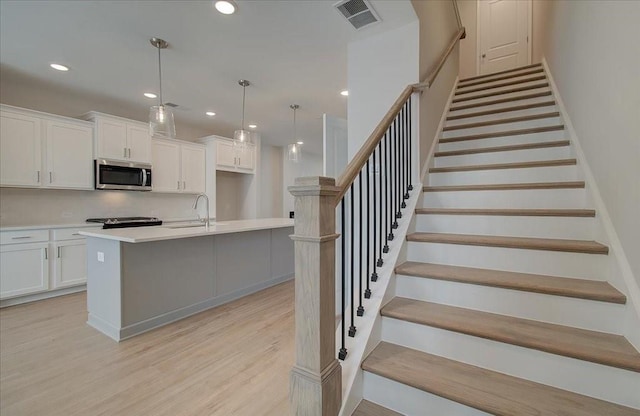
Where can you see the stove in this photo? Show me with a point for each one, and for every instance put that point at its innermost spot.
(125, 222)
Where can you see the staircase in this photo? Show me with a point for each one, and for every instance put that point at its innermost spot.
(502, 306)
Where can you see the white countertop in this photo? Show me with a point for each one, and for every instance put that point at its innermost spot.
(166, 232)
(48, 226)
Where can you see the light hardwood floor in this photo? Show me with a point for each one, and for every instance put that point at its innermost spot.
(231, 360)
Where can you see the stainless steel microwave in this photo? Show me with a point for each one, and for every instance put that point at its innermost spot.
(127, 176)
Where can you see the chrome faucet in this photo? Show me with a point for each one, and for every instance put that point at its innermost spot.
(195, 205)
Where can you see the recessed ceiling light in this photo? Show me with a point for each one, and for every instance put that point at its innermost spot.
(252, 126)
(225, 6)
(300, 142)
(345, 93)
(59, 67)
(210, 113)
(150, 95)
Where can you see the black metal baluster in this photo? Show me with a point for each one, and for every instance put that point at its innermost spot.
(410, 187)
(342, 354)
(352, 328)
(391, 204)
(396, 156)
(405, 181)
(387, 227)
(360, 311)
(379, 263)
(367, 292)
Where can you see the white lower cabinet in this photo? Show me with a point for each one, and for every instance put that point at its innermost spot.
(38, 261)
(24, 269)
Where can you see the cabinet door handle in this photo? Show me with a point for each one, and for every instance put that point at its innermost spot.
(58, 252)
(38, 179)
(21, 238)
(129, 152)
(46, 254)
(75, 234)
(178, 185)
(125, 152)
(50, 177)
(184, 184)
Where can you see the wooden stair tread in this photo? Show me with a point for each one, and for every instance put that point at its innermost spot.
(501, 100)
(509, 212)
(525, 146)
(502, 110)
(485, 390)
(506, 186)
(518, 132)
(502, 121)
(513, 165)
(526, 243)
(367, 408)
(548, 285)
(501, 92)
(597, 347)
(502, 84)
(500, 72)
(501, 78)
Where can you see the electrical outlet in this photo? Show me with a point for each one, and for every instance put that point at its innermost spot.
(100, 256)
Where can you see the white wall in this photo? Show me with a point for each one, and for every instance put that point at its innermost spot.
(379, 68)
(51, 206)
(469, 16)
(594, 56)
(308, 165)
(271, 182)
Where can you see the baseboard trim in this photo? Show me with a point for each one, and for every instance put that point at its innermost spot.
(41, 296)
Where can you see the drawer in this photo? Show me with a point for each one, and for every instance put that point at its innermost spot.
(62, 234)
(27, 236)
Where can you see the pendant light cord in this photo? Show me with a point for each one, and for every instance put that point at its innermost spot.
(160, 76)
(294, 126)
(244, 90)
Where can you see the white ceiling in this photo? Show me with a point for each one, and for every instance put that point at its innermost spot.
(292, 51)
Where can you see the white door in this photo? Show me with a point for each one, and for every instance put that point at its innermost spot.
(70, 263)
(69, 156)
(165, 176)
(112, 139)
(24, 269)
(225, 155)
(138, 143)
(503, 33)
(193, 169)
(246, 157)
(20, 150)
(334, 145)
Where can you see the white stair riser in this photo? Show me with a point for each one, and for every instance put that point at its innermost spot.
(539, 198)
(546, 136)
(582, 377)
(553, 263)
(498, 176)
(526, 82)
(454, 112)
(578, 228)
(517, 76)
(513, 156)
(561, 310)
(410, 401)
(543, 122)
(502, 116)
(515, 95)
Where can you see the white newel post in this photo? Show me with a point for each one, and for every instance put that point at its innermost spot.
(316, 378)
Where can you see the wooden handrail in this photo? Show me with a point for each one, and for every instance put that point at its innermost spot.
(360, 159)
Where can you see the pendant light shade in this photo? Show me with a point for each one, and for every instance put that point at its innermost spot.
(242, 137)
(161, 122)
(293, 149)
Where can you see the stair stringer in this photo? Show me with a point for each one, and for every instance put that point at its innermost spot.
(369, 332)
(619, 273)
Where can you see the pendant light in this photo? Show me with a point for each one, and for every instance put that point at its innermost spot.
(161, 123)
(242, 137)
(293, 149)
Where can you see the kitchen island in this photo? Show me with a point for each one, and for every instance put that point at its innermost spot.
(142, 278)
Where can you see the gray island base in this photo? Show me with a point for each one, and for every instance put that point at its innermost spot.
(140, 279)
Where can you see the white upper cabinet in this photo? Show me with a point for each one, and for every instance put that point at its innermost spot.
(43, 150)
(20, 149)
(69, 156)
(120, 139)
(178, 167)
(232, 158)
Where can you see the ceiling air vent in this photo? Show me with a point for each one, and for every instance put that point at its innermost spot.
(171, 105)
(358, 12)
